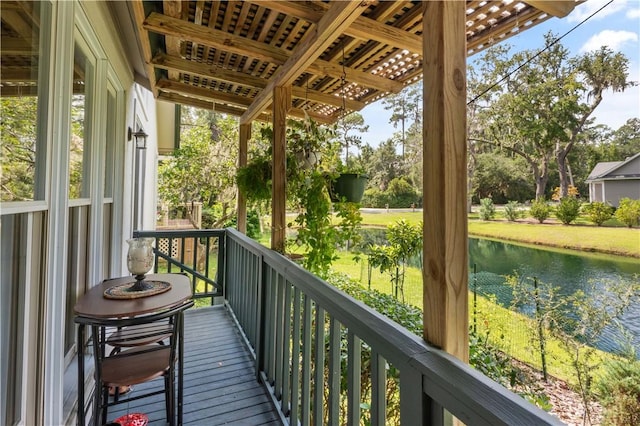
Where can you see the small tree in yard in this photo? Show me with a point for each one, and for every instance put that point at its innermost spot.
(598, 212)
(512, 211)
(579, 320)
(487, 209)
(568, 210)
(540, 210)
(620, 390)
(628, 212)
(543, 300)
(405, 241)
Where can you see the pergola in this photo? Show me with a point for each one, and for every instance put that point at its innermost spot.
(266, 60)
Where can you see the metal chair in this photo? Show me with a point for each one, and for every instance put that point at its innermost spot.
(136, 357)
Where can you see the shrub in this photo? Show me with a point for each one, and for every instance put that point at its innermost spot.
(568, 210)
(540, 210)
(628, 212)
(572, 191)
(401, 193)
(620, 390)
(598, 212)
(483, 356)
(373, 197)
(512, 211)
(487, 209)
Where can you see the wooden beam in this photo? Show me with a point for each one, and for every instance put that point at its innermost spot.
(199, 103)
(173, 8)
(202, 93)
(138, 12)
(362, 28)
(356, 76)
(199, 97)
(172, 63)
(282, 103)
(445, 163)
(213, 72)
(241, 209)
(328, 29)
(324, 98)
(557, 8)
(231, 43)
(18, 46)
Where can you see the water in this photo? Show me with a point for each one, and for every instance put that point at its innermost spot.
(568, 270)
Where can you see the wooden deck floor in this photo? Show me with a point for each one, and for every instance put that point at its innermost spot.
(219, 380)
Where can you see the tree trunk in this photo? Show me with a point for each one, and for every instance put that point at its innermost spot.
(541, 176)
(561, 161)
(471, 169)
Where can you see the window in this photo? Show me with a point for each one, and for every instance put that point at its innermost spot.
(23, 100)
(24, 55)
(79, 152)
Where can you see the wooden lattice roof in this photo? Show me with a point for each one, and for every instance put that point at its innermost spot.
(227, 53)
(338, 56)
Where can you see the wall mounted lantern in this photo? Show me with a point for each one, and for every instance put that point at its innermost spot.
(140, 138)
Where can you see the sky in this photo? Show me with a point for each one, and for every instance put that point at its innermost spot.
(616, 26)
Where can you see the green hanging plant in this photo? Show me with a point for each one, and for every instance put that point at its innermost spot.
(254, 179)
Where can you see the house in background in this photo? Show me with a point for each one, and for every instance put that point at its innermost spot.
(612, 180)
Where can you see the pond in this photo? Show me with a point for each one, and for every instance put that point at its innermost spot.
(568, 270)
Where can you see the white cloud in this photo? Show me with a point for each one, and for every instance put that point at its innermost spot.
(613, 39)
(585, 9)
(633, 13)
(617, 107)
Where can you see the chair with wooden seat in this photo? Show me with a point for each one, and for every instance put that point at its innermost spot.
(144, 348)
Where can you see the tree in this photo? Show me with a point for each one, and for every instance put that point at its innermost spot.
(500, 178)
(597, 71)
(384, 165)
(532, 114)
(18, 130)
(202, 169)
(404, 242)
(353, 122)
(625, 142)
(406, 108)
(542, 119)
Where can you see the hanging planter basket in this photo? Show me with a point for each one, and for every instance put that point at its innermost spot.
(307, 159)
(349, 186)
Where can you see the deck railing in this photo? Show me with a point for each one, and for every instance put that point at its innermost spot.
(342, 372)
(199, 253)
(328, 359)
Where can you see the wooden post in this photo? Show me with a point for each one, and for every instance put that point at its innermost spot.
(281, 104)
(245, 135)
(445, 293)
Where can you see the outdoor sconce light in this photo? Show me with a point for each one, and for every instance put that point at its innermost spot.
(140, 138)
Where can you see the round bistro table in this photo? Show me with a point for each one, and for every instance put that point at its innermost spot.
(93, 306)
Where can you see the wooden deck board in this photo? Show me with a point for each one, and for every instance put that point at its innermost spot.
(220, 385)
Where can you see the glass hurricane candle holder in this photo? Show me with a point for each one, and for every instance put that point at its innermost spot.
(140, 261)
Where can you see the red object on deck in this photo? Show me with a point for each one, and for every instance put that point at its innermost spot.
(133, 419)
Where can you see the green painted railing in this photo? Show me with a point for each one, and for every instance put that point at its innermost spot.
(198, 253)
(359, 367)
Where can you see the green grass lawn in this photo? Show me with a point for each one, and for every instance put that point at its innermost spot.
(618, 241)
(604, 239)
